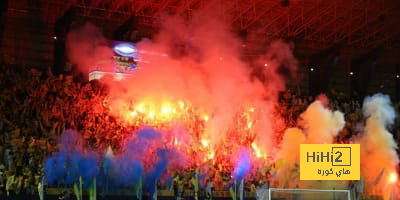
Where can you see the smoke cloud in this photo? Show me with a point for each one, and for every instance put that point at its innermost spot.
(73, 160)
(321, 125)
(197, 62)
(243, 166)
(87, 48)
(204, 69)
(133, 164)
(378, 149)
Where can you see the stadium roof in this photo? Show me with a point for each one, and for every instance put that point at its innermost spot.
(364, 32)
(357, 23)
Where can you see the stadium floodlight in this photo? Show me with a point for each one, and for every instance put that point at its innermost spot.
(125, 49)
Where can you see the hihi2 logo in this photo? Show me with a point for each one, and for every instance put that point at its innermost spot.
(329, 162)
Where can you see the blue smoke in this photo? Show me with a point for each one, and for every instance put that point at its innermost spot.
(242, 167)
(154, 175)
(88, 166)
(126, 169)
(149, 134)
(70, 142)
(107, 164)
(56, 168)
(127, 172)
(66, 166)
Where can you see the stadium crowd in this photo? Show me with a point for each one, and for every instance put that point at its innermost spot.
(37, 106)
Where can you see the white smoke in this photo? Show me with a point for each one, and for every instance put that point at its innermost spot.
(378, 149)
(321, 124)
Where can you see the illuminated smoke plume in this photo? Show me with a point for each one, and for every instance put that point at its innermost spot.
(86, 47)
(289, 157)
(196, 63)
(292, 139)
(203, 68)
(321, 125)
(243, 166)
(279, 64)
(378, 148)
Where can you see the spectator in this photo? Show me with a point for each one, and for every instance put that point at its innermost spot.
(38, 106)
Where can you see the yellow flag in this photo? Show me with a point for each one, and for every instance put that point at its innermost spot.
(76, 191)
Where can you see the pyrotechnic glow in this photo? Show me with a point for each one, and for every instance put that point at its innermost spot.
(205, 117)
(140, 108)
(204, 142)
(257, 150)
(393, 177)
(181, 104)
(193, 102)
(166, 114)
(249, 125)
(151, 115)
(211, 155)
(203, 113)
(166, 110)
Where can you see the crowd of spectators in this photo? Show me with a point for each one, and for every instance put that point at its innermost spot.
(36, 106)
